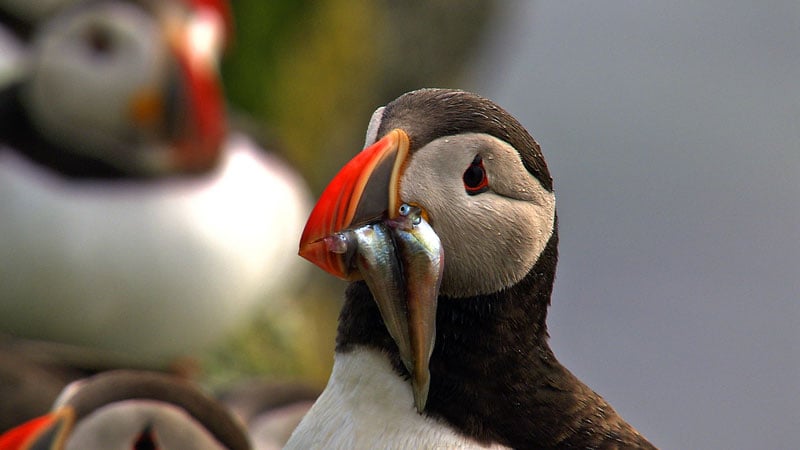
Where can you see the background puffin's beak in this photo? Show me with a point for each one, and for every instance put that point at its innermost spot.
(364, 190)
(200, 127)
(187, 107)
(213, 24)
(44, 432)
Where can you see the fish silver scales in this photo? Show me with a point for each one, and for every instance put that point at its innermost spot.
(401, 260)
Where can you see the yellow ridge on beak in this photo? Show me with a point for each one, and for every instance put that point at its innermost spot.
(364, 190)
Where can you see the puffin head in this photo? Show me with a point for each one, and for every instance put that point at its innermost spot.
(479, 182)
(130, 409)
(132, 84)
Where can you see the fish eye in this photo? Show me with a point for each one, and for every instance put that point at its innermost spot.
(412, 212)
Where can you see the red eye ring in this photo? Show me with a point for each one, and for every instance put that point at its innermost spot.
(475, 179)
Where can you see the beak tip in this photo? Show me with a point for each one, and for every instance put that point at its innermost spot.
(320, 253)
(420, 390)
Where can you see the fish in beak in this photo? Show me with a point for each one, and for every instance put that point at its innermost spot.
(361, 229)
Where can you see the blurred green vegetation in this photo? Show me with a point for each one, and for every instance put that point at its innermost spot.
(309, 74)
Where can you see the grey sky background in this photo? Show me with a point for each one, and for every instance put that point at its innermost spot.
(672, 130)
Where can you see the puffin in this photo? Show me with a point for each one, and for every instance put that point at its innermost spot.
(133, 221)
(445, 225)
(128, 409)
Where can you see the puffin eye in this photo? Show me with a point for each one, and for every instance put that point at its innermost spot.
(475, 180)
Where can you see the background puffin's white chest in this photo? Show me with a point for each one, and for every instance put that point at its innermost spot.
(155, 269)
(367, 405)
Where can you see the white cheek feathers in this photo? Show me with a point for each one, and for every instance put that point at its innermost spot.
(372, 128)
(491, 240)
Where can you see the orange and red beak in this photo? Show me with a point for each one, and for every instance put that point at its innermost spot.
(187, 108)
(361, 229)
(46, 432)
(198, 118)
(198, 142)
(365, 190)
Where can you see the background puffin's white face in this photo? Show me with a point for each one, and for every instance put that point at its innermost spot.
(88, 70)
(118, 425)
(493, 238)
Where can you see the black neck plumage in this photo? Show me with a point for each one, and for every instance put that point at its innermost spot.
(15, 25)
(493, 375)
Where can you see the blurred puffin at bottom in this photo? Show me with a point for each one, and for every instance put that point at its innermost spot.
(133, 410)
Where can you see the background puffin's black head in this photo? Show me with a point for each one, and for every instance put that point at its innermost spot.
(97, 392)
(428, 114)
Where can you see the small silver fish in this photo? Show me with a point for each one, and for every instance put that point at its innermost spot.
(401, 260)
(420, 250)
(370, 250)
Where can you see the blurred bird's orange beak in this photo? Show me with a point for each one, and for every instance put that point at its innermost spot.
(366, 189)
(199, 122)
(199, 138)
(188, 108)
(213, 19)
(46, 432)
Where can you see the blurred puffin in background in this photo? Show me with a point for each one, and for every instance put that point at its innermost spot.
(136, 410)
(135, 228)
